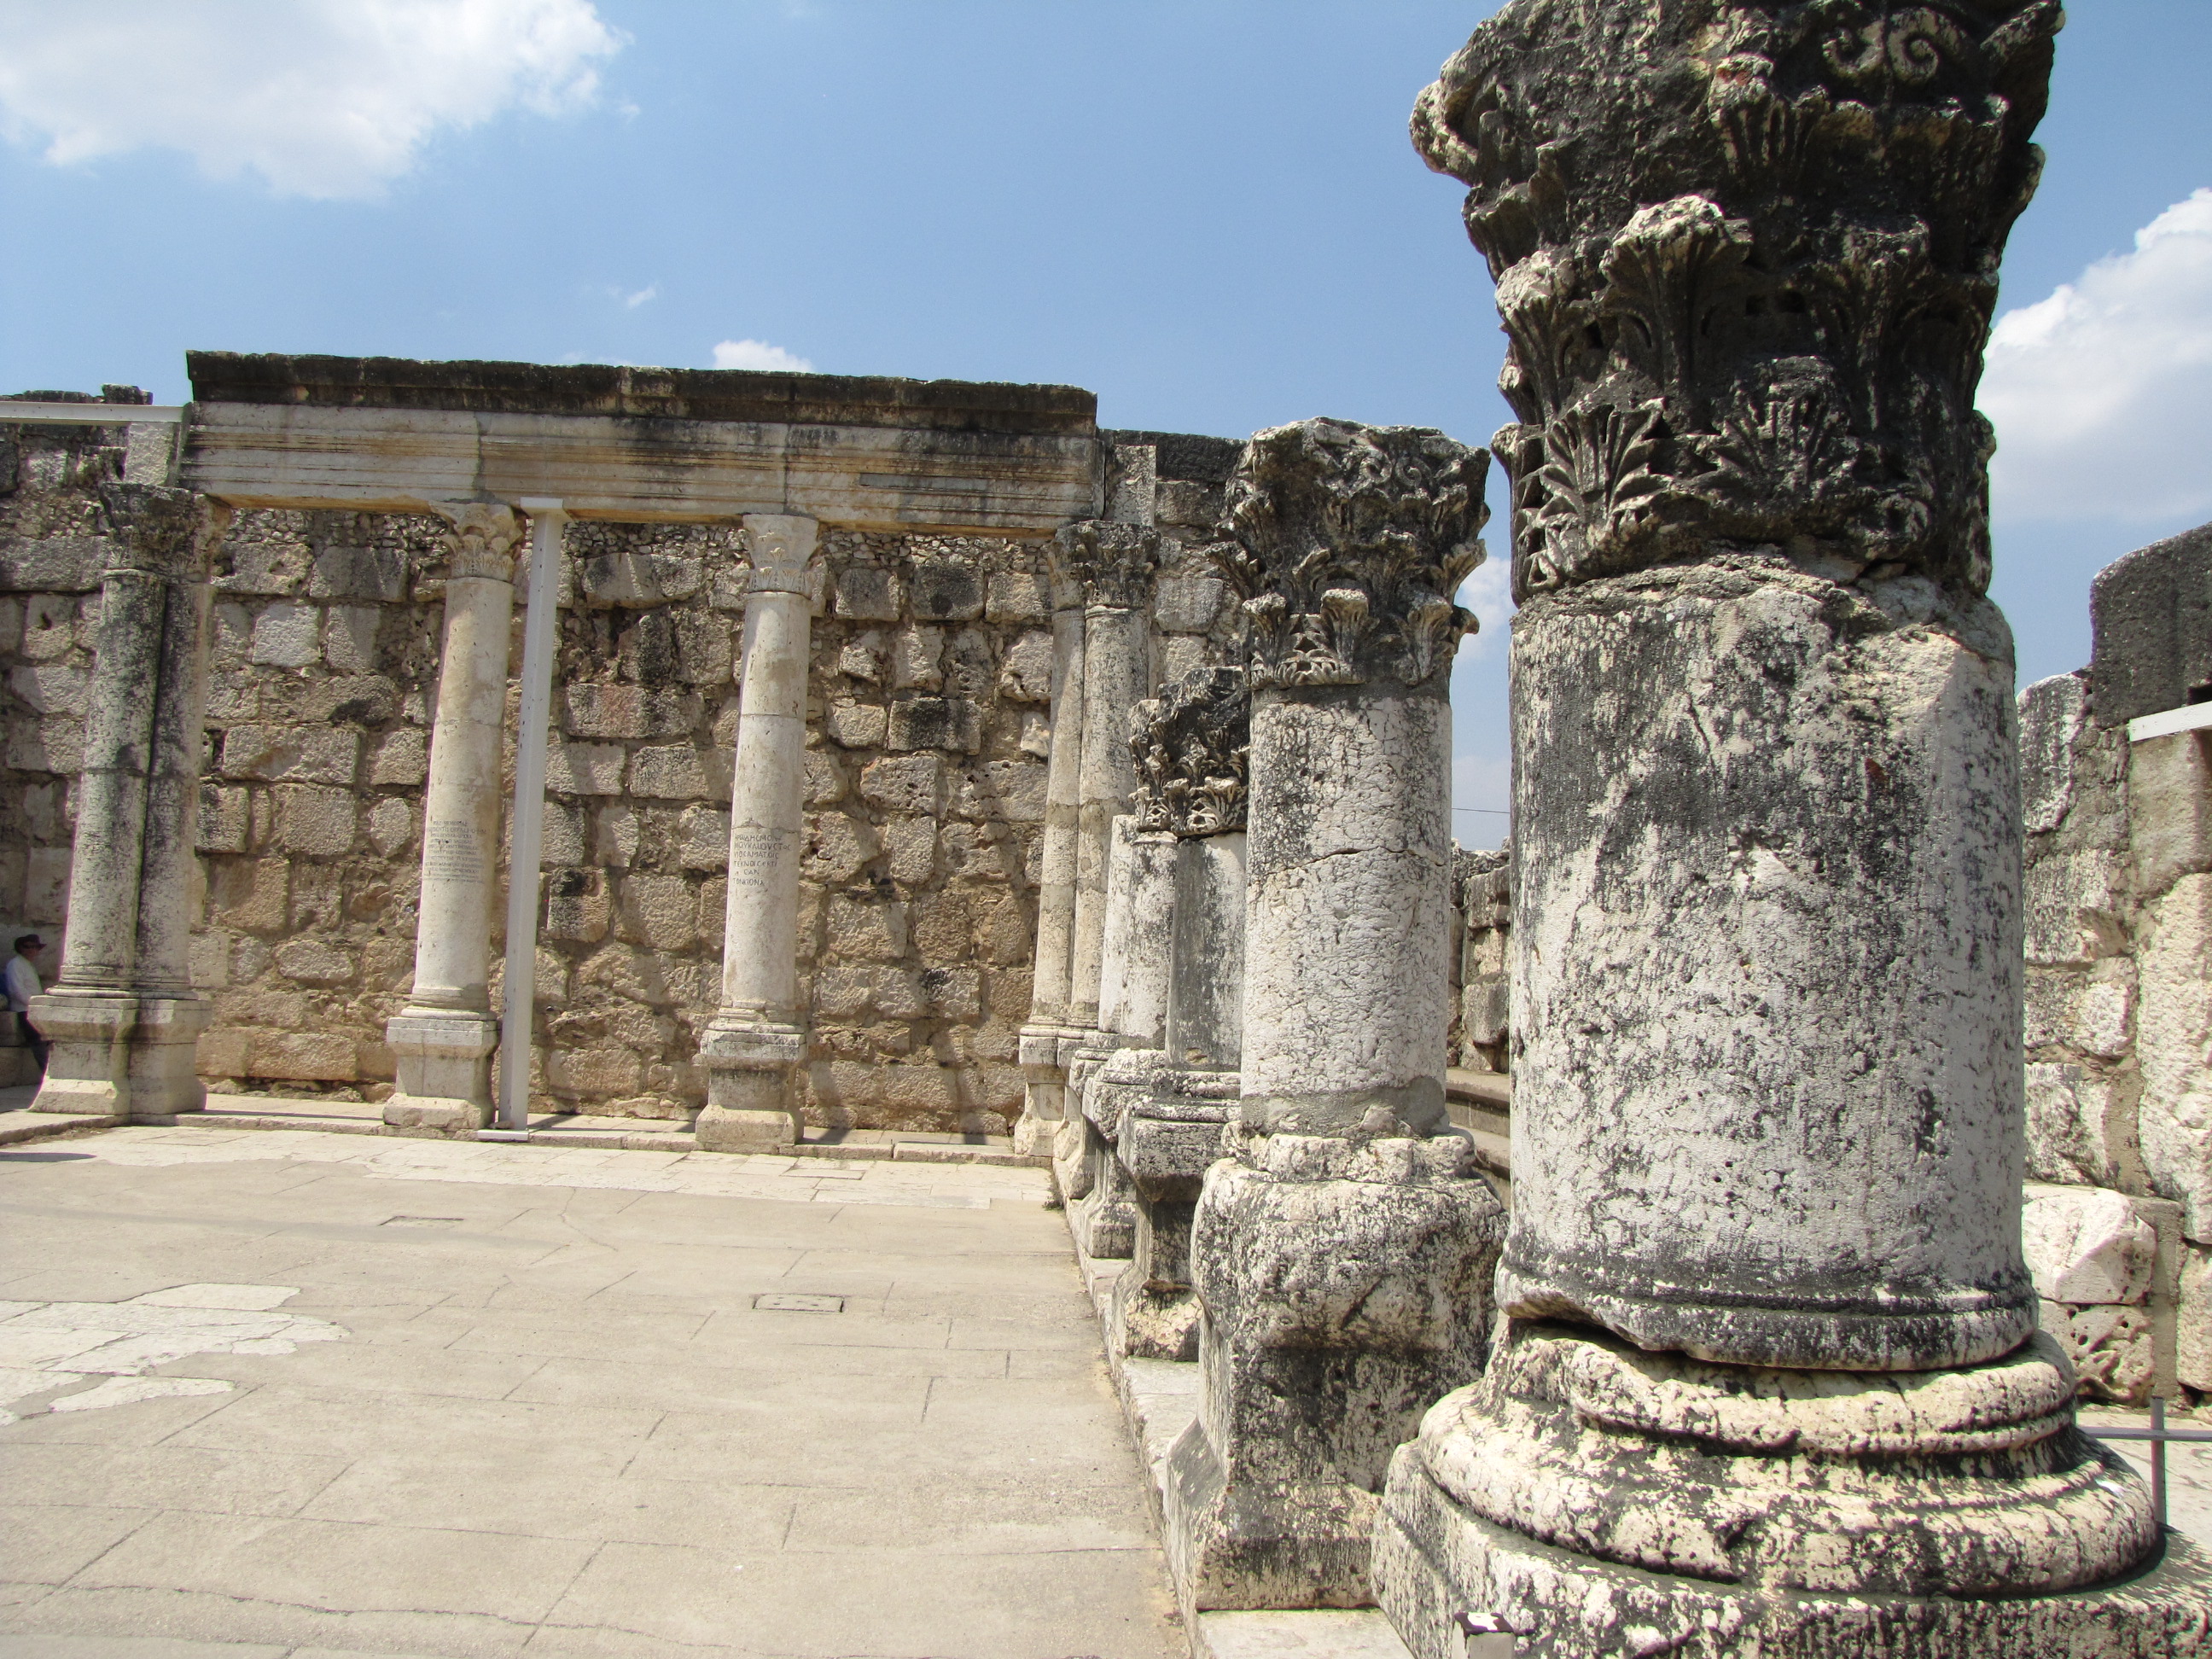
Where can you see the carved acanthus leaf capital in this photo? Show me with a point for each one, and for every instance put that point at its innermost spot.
(480, 539)
(1191, 745)
(162, 532)
(779, 544)
(1115, 562)
(1751, 317)
(1347, 543)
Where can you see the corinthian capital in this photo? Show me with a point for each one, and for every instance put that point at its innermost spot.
(165, 533)
(1115, 562)
(1191, 743)
(781, 544)
(1746, 255)
(1347, 543)
(480, 540)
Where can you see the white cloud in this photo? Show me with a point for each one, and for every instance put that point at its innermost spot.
(2102, 393)
(759, 354)
(632, 301)
(321, 98)
(1489, 593)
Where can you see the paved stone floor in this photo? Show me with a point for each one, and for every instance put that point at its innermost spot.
(293, 1392)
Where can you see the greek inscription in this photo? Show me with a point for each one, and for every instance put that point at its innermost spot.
(450, 852)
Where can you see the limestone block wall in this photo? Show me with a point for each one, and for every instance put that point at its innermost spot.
(929, 725)
(2119, 1002)
(1482, 921)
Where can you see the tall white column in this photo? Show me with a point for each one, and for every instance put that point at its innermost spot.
(756, 1044)
(122, 1018)
(1045, 1077)
(442, 1040)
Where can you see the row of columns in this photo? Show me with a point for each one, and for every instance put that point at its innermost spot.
(123, 1017)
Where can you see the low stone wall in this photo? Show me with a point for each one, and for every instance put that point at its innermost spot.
(929, 726)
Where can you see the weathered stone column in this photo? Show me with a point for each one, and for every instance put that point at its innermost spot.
(442, 1040)
(123, 1017)
(754, 1047)
(1115, 564)
(1771, 1382)
(1133, 1017)
(1045, 1077)
(1343, 1256)
(1192, 743)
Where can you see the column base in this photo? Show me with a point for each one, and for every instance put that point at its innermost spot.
(1593, 1501)
(1346, 1285)
(442, 1058)
(1169, 1136)
(1044, 1089)
(120, 1053)
(750, 1063)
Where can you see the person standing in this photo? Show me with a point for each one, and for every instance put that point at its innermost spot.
(23, 984)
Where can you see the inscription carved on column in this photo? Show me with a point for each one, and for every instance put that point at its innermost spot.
(1192, 743)
(762, 857)
(1760, 326)
(1347, 543)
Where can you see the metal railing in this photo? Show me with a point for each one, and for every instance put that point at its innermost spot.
(2159, 1436)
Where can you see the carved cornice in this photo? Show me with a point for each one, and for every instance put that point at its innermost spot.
(165, 533)
(1191, 743)
(779, 545)
(1746, 254)
(1115, 562)
(1346, 544)
(480, 540)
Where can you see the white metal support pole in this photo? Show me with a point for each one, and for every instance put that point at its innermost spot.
(527, 820)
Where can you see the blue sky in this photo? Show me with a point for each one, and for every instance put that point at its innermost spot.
(1205, 210)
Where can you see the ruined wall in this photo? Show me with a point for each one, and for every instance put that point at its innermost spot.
(1482, 923)
(2119, 1027)
(929, 723)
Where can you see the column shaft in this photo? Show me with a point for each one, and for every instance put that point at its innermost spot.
(442, 1040)
(1045, 1077)
(756, 1043)
(122, 1017)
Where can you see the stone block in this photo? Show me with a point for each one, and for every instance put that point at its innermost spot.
(222, 819)
(706, 649)
(2087, 1245)
(2170, 808)
(706, 839)
(912, 786)
(1037, 734)
(838, 848)
(861, 658)
(669, 772)
(320, 823)
(615, 834)
(49, 625)
(2193, 1311)
(315, 962)
(897, 995)
(954, 993)
(592, 1071)
(2150, 621)
(221, 1053)
(865, 595)
(825, 780)
(577, 908)
(1181, 656)
(585, 769)
(854, 724)
(45, 885)
(250, 895)
(1485, 1010)
(377, 573)
(1182, 500)
(2074, 903)
(2173, 1046)
(50, 688)
(2052, 713)
(302, 1056)
(2074, 1116)
(912, 843)
(923, 1087)
(917, 659)
(844, 991)
(2091, 1013)
(209, 958)
(1025, 675)
(1186, 604)
(391, 826)
(288, 635)
(862, 927)
(1011, 790)
(55, 743)
(597, 710)
(658, 911)
(401, 759)
(953, 723)
(291, 754)
(947, 590)
(2113, 1348)
(943, 927)
(349, 638)
(344, 700)
(638, 578)
(1016, 596)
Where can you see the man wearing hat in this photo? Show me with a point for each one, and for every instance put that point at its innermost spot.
(23, 984)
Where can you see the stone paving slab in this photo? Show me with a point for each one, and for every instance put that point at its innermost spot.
(459, 1398)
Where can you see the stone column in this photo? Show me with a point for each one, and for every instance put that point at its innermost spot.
(1114, 563)
(1043, 1077)
(1343, 1256)
(754, 1047)
(442, 1040)
(1192, 743)
(123, 1017)
(1770, 1382)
